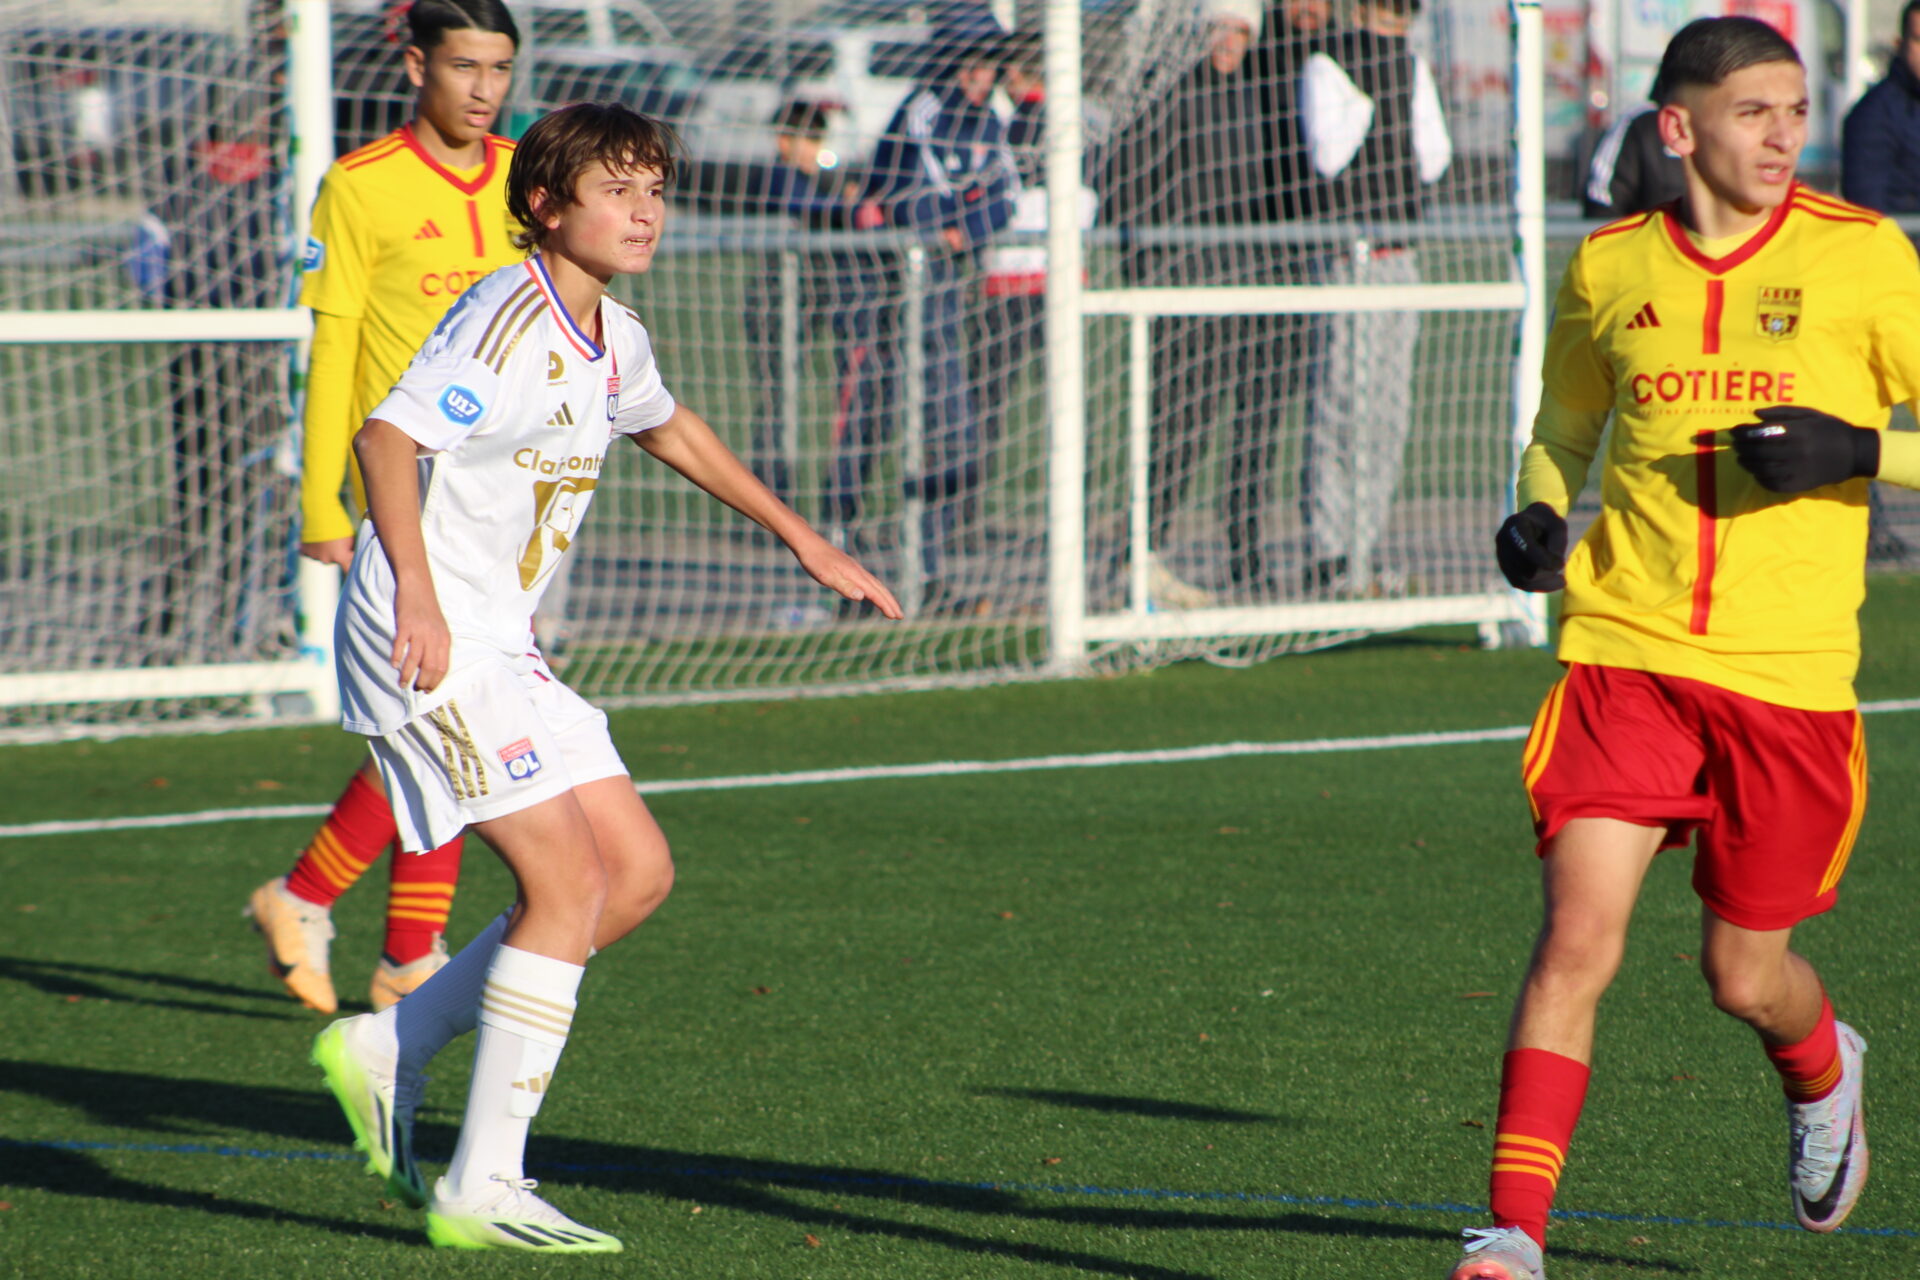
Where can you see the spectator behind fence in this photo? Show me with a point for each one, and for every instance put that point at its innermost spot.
(1880, 140)
(1880, 168)
(942, 169)
(1631, 170)
(1377, 136)
(1012, 315)
(1197, 161)
(842, 287)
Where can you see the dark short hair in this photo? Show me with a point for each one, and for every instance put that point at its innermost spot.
(1906, 17)
(1708, 50)
(1026, 52)
(562, 144)
(428, 21)
(809, 119)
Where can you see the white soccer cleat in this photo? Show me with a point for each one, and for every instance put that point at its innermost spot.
(299, 935)
(378, 1106)
(509, 1216)
(1827, 1143)
(1498, 1253)
(392, 982)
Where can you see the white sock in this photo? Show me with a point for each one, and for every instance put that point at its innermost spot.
(525, 1014)
(440, 1009)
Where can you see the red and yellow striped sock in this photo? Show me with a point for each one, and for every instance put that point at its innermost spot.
(419, 898)
(1541, 1094)
(360, 826)
(1810, 1070)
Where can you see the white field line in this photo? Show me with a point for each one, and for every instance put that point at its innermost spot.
(872, 773)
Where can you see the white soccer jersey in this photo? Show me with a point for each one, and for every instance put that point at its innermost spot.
(514, 409)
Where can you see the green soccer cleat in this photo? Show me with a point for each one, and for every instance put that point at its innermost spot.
(378, 1107)
(510, 1216)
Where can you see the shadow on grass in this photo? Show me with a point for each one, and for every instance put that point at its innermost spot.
(67, 979)
(763, 1187)
(199, 1115)
(203, 1110)
(75, 1173)
(1158, 1108)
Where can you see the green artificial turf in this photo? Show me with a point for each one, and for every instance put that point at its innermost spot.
(1218, 1019)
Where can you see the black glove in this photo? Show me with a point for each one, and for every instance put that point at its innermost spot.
(1532, 549)
(1793, 449)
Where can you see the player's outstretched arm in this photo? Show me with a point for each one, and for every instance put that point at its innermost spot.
(687, 444)
(1794, 448)
(422, 644)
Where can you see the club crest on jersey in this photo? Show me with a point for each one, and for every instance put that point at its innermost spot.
(613, 397)
(556, 369)
(461, 405)
(1779, 314)
(314, 256)
(519, 758)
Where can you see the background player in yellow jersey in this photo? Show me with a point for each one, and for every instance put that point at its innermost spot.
(401, 228)
(1709, 627)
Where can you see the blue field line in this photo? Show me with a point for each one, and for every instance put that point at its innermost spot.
(816, 1178)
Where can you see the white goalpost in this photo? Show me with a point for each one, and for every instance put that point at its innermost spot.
(1003, 457)
(144, 577)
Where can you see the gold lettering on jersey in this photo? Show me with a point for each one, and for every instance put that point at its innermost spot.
(556, 369)
(1714, 386)
(575, 464)
(1779, 314)
(557, 505)
(436, 284)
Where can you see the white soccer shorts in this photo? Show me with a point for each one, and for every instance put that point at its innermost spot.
(510, 737)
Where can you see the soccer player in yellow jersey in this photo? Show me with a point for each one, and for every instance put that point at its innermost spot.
(401, 228)
(1709, 627)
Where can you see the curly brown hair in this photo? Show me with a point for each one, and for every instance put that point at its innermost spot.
(563, 144)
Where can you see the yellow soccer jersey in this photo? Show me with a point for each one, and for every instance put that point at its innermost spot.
(396, 238)
(1692, 569)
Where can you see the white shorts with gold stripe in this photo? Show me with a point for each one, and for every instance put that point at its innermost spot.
(510, 736)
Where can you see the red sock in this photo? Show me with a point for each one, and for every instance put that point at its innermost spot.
(360, 826)
(1541, 1095)
(1810, 1070)
(418, 899)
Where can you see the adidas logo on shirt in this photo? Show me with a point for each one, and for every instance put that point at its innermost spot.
(428, 231)
(564, 418)
(1644, 318)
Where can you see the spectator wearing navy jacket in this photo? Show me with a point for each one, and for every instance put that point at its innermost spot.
(1880, 169)
(1880, 141)
(943, 170)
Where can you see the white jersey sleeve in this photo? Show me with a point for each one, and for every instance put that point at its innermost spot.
(644, 401)
(447, 393)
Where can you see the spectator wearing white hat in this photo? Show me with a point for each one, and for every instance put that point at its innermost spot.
(1377, 138)
(1191, 171)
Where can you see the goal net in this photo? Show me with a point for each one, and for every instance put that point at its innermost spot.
(1291, 411)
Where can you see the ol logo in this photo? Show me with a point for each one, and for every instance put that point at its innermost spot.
(461, 405)
(520, 759)
(314, 257)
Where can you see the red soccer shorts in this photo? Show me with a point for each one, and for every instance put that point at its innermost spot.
(1776, 793)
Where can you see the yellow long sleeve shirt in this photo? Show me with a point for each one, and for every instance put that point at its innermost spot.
(1692, 569)
(396, 238)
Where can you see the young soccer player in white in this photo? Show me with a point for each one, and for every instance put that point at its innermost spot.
(479, 467)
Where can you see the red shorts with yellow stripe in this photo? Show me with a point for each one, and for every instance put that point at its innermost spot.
(1776, 793)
